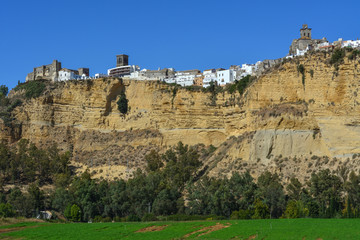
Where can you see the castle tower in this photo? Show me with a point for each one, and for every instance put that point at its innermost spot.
(122, 60)
(305, 32)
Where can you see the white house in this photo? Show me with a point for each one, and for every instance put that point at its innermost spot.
(225, 77)
(209, 76)
(69, 74)
(351, 43)
(186, 78)
(246, 69)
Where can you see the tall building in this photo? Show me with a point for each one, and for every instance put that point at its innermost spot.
(122, 67)
(122, 60)
(305, 32)
(305, 42)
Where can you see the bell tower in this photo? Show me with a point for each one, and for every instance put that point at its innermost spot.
(122, 60)
(305, 32)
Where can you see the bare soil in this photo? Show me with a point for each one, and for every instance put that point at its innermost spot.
(207, 230)
(152, 228)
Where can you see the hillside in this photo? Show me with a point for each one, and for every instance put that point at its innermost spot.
(301, 116)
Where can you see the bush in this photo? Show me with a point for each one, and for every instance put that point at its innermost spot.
(354, 54)
(245, 214)
(292, 210)
(133, 218)
(4, 90)
(261, 210)
(33, 89)
(301, 68)
(234, 215)
(149, 217)
(123, 103)
(6, 210)
(75, 213)
(337, 57)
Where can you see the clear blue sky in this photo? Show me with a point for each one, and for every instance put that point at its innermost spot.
(180, 34)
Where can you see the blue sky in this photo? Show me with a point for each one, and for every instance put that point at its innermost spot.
(180, 34)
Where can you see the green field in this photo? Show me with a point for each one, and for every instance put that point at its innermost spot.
(232, 229)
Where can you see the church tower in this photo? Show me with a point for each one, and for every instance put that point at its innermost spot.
(305, 32)
(122, 60)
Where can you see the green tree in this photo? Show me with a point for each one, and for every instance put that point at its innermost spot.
(6, 210)
(243, 188)
(60, 199)
(123, 103)
(36, 197)
(326, 189)
(271, 190)
(292, 210)
(294, 189)
(75, 213)
(153, 160)
(67, 212)
(261, 210)
(165, 202)
(3, 90)
(20, 202)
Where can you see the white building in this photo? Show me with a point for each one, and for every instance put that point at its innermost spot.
(209, 76)
(69, 74)
(351, 43)
(321, 45)
(246, 69)
(186, 78)
(170, 80)
(100, 75)
(122, 71)
(225, 77)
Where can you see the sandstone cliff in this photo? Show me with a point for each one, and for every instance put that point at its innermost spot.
(283, 121)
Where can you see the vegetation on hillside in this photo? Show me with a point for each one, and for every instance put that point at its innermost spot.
(240, 85)
(172, 186)
(7, 105)
(123, 103)
(33, 89)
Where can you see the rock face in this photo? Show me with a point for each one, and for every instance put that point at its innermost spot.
(281, 113)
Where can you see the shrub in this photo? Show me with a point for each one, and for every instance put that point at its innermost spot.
(75, 213)
(4, 90)
(354, 54)
(301, 69)
(133, 218)
(123, 103)
(149, 217)
(33, 89)
(6, 210)
(97, 219)
(245, 214)
(337, 57)
(261, 210)
(292, 210)
(234, 215)
(67, 212)
(311, 73)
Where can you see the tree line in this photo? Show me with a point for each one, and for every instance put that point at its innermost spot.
(171, 187)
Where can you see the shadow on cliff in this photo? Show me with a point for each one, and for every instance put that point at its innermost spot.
(115, 91)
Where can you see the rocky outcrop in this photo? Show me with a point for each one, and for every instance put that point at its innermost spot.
(281, 113)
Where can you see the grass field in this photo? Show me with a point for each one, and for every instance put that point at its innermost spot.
(232, 229)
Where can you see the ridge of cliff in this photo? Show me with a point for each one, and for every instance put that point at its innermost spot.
(304, 109)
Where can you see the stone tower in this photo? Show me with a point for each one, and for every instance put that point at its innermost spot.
(305, 32)
(122, 60)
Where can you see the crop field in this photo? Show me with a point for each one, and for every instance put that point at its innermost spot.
(231, 229)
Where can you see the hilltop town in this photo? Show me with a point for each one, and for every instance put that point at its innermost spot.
(219, 76)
